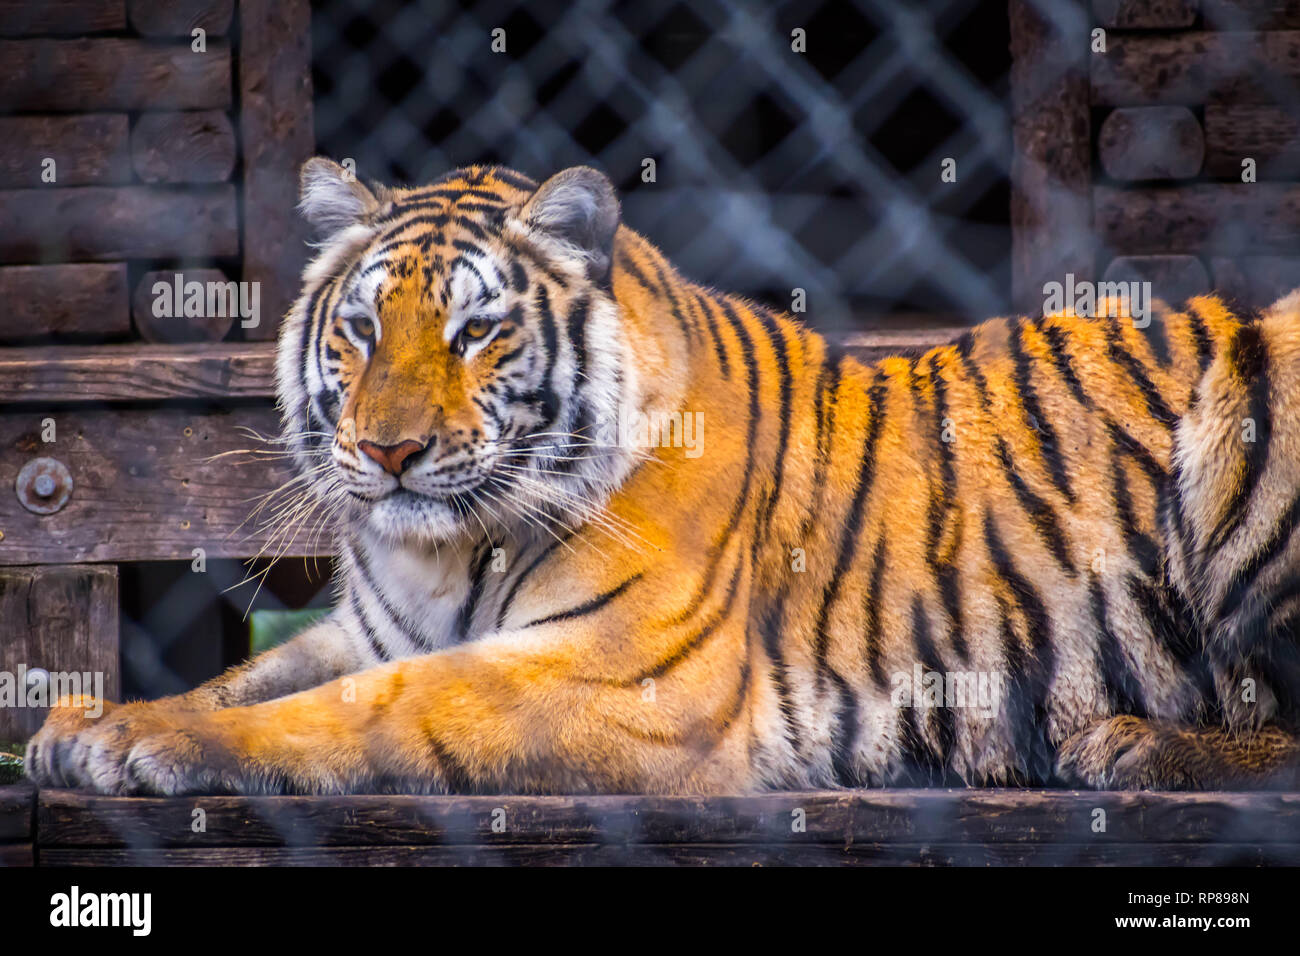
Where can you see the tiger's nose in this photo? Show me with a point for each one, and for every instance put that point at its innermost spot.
(392, 458)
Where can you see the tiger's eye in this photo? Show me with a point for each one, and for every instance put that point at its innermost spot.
(477, 328)
(363, 325)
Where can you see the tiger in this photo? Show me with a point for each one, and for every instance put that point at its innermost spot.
(603, 529)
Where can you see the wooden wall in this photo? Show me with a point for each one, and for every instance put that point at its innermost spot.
(1140, 148)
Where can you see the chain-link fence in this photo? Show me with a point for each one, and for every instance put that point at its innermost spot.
(857, 149)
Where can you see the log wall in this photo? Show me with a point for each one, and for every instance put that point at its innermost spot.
(138, 135)
(1195, 181)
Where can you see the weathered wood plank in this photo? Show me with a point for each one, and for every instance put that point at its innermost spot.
(66, 17)
(862, 854)
(983, 817)
(1051, 172)
(174, 326)
(1250, 14)
(177, 18)
(276, 130)
(1256, 282)
(60, 619)
(17, 812)
(189, 147)
(145, 485)
(873, 346)
(17, 854)
(129, 373)
(80, 299)
(117, 222)
(1192, 68)
(1151, 142)
(1231, 218)
(1270, 135)
(87, 150)
(1145, 14)
(1173, 278)
(113, 73)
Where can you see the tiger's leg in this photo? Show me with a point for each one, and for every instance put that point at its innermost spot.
(1131, 753)
(502, 714)
(318, 654)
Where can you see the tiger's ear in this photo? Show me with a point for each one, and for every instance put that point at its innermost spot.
(578, 210)
(331, 198)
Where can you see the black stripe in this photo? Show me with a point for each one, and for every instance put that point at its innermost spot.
(1158, 339)
(1244, 577)
(772, 632)
(742, 499)
(1248, 361)
(1059, 355)
(939, 719)
(871, 602)
(545, 553)
(781, 357)
(366, 629)
(397, 618)
(852, 529)
(683, 651)
(1031, 670)
(1155, 403)
(845, 734)
(1037, 418)
(1040, 513)
(1142, 548)
(942, 496)
(711, 323)
(587, 607)
(465, 616)
(1123, 689)
(1172, 627)
(1204, 345)
(828, 384)
(965, 345)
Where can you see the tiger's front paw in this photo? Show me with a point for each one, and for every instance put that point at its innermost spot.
(1126, 753)
(141, 748)
(56, 747)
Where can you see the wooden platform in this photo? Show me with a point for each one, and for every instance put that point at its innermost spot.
(883, 827)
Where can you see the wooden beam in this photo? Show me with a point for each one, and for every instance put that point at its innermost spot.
(1194, 67)
(87, 150)
(17, 812)
(145, 485)
(67, 17)
(211, 326)
(190, 147)
(1023, 819)
(61, 619)
(749, 855)
(1250, 14)
(1255, 282)
(80, 299)
(1231, 219)
(117, 222)
(133, 373)
(277, 134)
(1145, 14)
(1270, 135)
(1151, 142)
(1173, 278)
(113, 73)
(177, 18)
(1051, 172)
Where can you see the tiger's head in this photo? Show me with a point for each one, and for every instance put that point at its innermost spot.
(456, 356)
